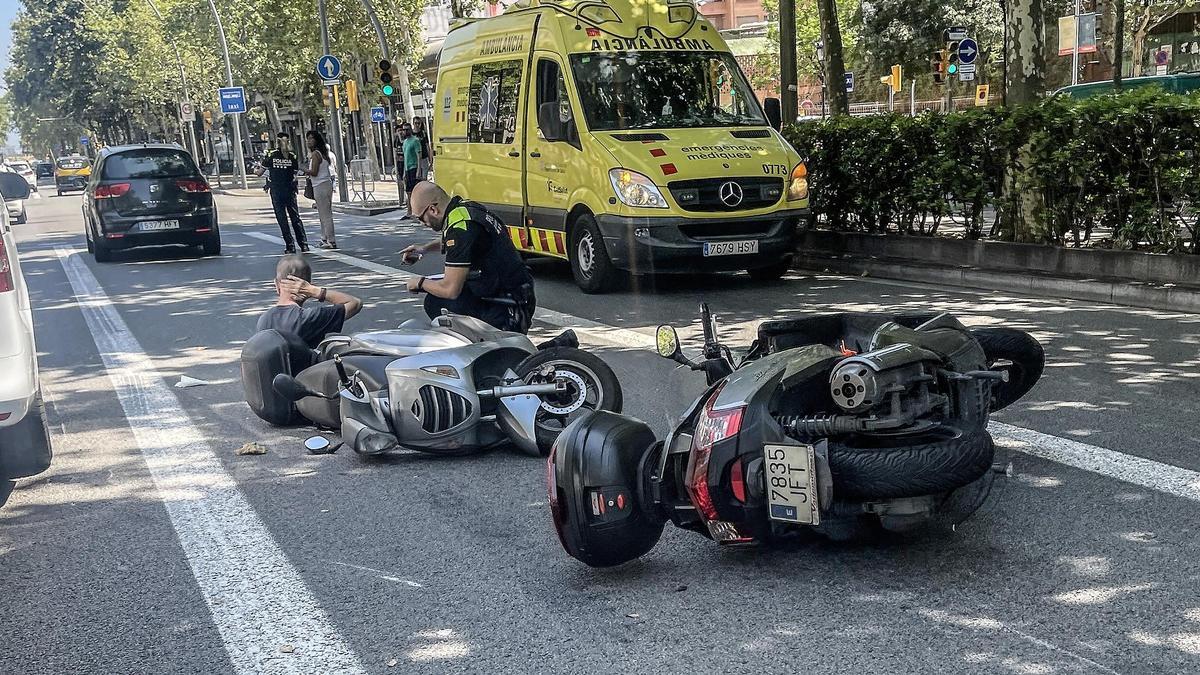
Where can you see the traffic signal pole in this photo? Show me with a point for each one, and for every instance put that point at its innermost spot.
(335, 115)
(239, 159)
(788, 93)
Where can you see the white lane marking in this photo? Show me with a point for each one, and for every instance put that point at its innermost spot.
(1139, 471)
(1146, 473)
(258, 601)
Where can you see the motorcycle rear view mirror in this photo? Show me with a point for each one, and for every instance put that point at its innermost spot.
(319, 445)
(668, 343)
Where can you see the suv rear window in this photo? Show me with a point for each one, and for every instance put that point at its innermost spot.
(149, 163)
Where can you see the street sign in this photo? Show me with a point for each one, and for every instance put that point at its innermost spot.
(966, 77)
(981, 95)
(233, 99)
(378, 114)
(329, 67)
(186, 112)
(966, 68)
(1162, 56)
(849, 83)
(956, 33)
(83, 140)
(331, 83)
(968, 49)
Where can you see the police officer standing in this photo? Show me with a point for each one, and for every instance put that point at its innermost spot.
(281, 168)
(484, 275)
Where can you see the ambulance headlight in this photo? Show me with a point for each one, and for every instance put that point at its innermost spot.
(634, 189)
(798, 186)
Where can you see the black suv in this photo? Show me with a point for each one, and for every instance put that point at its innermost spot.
(148, 195)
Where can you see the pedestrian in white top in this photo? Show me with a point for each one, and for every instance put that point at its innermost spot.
(319, 171)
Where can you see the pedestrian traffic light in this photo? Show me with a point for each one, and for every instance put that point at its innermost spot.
(893, 79)
(386, 75)
(351, 96)
(952, 57)
(937, 63)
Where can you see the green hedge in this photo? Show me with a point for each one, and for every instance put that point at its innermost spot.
(1125, 164)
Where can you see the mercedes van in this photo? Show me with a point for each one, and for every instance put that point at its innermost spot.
(618, 135)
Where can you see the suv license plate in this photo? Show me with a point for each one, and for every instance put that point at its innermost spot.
(792, 484)
(152, 225)
(743, 247)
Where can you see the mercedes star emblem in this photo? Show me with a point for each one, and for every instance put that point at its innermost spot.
(730, 193)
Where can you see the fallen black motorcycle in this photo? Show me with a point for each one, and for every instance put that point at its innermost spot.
(840, 423)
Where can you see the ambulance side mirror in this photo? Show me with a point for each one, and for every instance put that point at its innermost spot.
(774, 111)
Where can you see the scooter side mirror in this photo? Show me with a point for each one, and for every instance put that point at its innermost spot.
(287, 387)
(317, 445)
(667, 341)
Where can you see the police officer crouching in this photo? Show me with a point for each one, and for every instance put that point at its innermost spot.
(484, 275)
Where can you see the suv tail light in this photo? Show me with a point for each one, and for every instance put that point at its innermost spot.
(193, 185)
(6, 275)
(110, 191)
(712, 427)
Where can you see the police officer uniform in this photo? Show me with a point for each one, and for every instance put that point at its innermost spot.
(502, 292)
(281, 174)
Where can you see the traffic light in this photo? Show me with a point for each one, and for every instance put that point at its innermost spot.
(351, 96)
(893, 79)
(386, 75)
(325, 95)
(952, 57)
(937, 63)
(207, 114)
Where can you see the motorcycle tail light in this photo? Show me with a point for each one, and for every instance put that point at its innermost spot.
(110, 191)
(6, 275)
(712, 427)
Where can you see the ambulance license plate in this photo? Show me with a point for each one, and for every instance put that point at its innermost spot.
(792, 484)
(153, 225)
(743, 247)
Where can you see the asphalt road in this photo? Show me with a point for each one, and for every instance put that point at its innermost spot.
(151, 547)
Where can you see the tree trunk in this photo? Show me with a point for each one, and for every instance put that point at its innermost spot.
(272, 109)
(1141, 33)
(1118, 41)
(835, 66)
(1026, 51)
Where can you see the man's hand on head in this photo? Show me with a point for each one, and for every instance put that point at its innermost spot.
(299, 289)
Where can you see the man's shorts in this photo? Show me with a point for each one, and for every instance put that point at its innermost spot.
(410, 179)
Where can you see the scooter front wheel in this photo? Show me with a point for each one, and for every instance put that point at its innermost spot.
(591, 385)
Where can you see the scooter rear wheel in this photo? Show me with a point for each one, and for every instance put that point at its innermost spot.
(591, 386)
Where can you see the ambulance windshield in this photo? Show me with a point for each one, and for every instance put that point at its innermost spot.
(664, 90)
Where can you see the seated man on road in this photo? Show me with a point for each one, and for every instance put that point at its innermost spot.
(311, 322)
(474, 241)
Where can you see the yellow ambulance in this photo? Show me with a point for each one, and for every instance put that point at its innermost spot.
(619, 135)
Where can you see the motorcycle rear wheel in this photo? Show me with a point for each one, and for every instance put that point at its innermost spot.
(601, 390)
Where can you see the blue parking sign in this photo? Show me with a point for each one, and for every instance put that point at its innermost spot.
(233, 99)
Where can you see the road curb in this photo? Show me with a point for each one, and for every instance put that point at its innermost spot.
(1132, 294)
(357, 210)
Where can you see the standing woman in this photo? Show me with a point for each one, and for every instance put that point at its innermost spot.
(319, 171)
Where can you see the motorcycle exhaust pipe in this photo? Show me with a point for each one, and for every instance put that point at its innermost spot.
(521, 389)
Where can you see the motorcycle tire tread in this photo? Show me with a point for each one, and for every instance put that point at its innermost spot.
(909, 471)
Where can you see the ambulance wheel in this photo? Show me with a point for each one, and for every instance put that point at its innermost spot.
(590, 264)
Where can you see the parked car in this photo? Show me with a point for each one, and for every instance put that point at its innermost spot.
(148, 195)
(12, 205)
(24, 438)
(26, 171)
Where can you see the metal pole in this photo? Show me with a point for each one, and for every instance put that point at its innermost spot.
(335, 116)
(190, 136)
(787, 61)
(239, 159)
(912, 98)
(1075, 49)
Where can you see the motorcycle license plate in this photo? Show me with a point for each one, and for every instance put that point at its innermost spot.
(792, 484)
(154, 225)
(745, 246)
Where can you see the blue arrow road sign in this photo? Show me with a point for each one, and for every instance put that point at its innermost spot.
(967, 50)
(849, 83)
(378, 114)
(329, 67)
(233, 99)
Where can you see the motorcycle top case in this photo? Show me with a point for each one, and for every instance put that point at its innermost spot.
(594, 477)
(266, 354)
